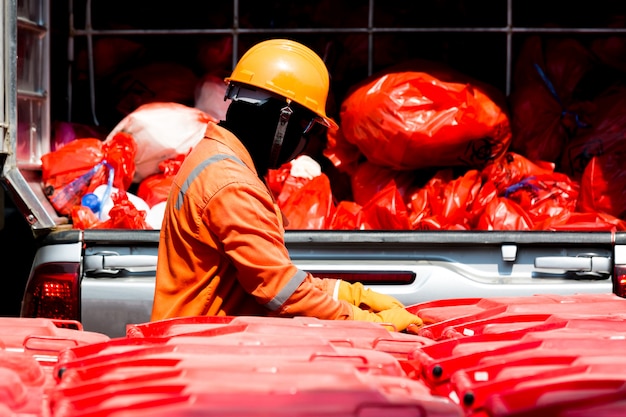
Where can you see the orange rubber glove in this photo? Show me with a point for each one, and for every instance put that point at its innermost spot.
(366, 299)
(398, 317)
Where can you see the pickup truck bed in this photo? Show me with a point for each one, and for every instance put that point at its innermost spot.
(114, 271)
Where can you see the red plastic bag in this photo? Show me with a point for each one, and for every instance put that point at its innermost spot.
(83, 217)
(68, 172)
(276, 178)
(310, 206)
(541, 125)
(124, 215)
(341, 153)
(603, 185)
(411, 120)
(545, 197)
(565, 61)
(424, 202)
(71, 161)
(386, 211)
(347, 216)
(370, 178)
(587, 222)
(545, 113)
(604, 136)
(513, 168)
(445, 202)
(156, 188)
(502, 213)
(119, 153)
(457, 197)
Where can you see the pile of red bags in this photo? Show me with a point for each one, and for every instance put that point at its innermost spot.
(423, 148)
(429, 152)
(145, 149)
(510, 194)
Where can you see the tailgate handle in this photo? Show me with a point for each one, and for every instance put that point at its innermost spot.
(104, 261)
(597, 264)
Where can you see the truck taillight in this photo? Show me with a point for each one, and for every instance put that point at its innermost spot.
(52, 292)
(619, 283)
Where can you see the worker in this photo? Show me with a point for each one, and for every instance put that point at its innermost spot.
(222, 249)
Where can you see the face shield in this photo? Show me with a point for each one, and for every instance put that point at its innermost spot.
(294, 126)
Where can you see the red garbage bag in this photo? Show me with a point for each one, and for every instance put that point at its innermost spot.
(425, 201)
(541, 124)
(603, 185)
(345, 156)
(513, 168)
(445, 202)
(386, 211)
(411, 120)
(156, 188)
(119, 153)
(370, 178)
(587, 222)
(83, 217)
(502, 213)
(565, 62)
(545, 112)
(71, 160)
(124, 215)
(611, 50)
(311, 206)
(347, 216)
(68, 172)
(605, 134)
(458, 196)
(276, 178)
(545, 197)
(483, 197)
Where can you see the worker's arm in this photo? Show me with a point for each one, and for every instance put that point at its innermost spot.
(247, 223)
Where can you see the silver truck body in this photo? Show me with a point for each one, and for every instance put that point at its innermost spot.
(117, 278)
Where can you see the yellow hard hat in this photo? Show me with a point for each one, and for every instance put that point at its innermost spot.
(288, 69)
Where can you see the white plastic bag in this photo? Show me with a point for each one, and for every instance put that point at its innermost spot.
(161, 131)
(209, 97)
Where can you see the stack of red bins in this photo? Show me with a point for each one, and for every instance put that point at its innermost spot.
(30, 348)
(246, 366)
(526, 356)
(545, 355)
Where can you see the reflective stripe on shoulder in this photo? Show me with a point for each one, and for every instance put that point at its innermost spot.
(197, 170)
(286, 291)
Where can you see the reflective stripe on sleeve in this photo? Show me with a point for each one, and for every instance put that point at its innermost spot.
(286, 291)
(197, 170)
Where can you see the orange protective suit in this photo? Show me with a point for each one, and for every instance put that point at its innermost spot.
(221, 249)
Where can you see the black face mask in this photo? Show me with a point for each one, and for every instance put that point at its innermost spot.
(255, 125)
